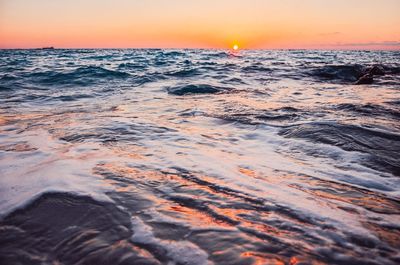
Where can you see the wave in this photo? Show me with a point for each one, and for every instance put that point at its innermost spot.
(172, 53)
(391, 69)
(352, 72)
(183, 73)
(254, 68)
(382, 146)
(72, 97)
(5, 88)
(8, 77)
(197, 89)
(349, 73)
(273, 117)
(131, 66)
(74, 229)
(116, 132)
(270, 119)
(99, 57)
(369, 109)
(394, 103)
(7, 81)
(80, 76)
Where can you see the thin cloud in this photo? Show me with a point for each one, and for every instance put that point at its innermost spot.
(329, 34)
(382, 43)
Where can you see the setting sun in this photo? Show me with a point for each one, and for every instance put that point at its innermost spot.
(235, 47)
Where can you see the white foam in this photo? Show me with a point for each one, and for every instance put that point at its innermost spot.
(180, 252)
(53, 167)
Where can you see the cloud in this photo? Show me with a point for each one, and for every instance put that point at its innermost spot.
(329, 34)
(367, 44)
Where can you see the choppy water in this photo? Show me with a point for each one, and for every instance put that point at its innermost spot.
(198, 157)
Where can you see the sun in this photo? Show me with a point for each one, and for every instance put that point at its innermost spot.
(235, 47)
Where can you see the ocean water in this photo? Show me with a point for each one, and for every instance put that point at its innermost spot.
(199, 157)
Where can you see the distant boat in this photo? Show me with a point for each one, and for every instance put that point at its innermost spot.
(47, 48)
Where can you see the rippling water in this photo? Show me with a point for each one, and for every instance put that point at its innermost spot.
(198, 157)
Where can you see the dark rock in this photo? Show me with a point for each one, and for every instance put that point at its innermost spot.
(365, 79)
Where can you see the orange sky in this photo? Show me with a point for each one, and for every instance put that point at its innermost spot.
(271, 24)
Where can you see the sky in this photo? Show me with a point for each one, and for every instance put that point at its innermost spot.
(251, 24)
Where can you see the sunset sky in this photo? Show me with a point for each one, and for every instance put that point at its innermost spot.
(270, 24)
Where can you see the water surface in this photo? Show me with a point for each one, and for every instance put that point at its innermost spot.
(198, 157)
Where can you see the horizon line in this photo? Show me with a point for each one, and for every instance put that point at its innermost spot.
(197, 48)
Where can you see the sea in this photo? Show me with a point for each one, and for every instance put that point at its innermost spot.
(192, 157)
